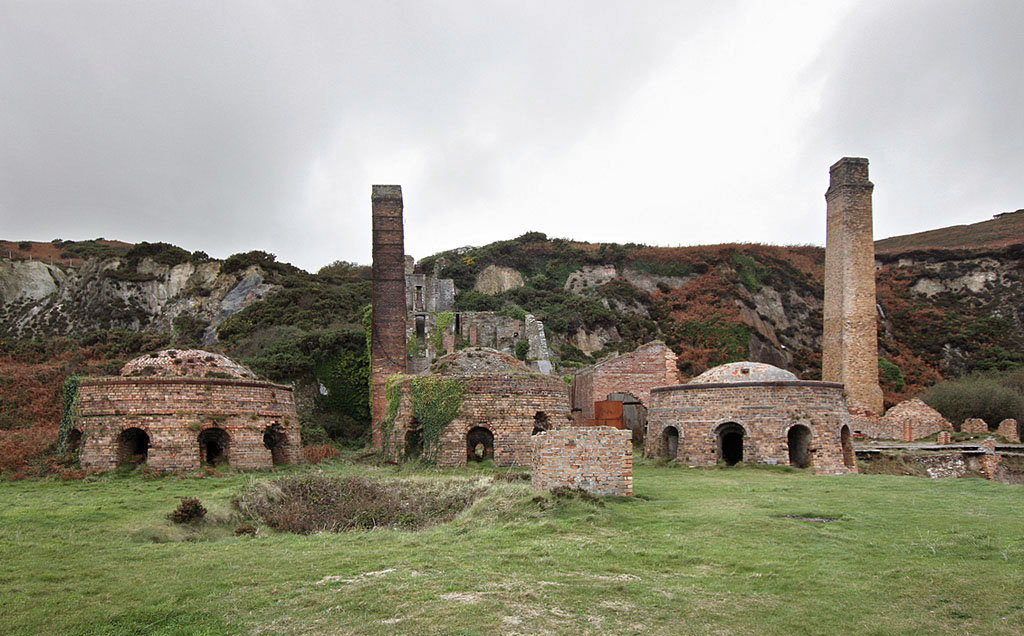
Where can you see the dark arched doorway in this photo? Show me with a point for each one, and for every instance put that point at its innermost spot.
(846, 440)
(133, 446)
(214, 444)
(540, 422)
(799, 440)
(670, 442)
(413, 440)
(74, 440)
(730, 443)
(276, 440)
(479, 444)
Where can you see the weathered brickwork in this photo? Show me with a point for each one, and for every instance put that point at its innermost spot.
(636, 373)
(173, 413)
(1009, 429)
(867, 424)
(913, 419)
(753, 422)
(850, 343)
(974, 425)
(943, 437)
(387, 346)
(597, 459)
(501, 396)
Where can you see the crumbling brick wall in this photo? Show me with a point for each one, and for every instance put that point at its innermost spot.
(913, 419)
(510, 406)
(765, 410)
(173, 412)
(1009, 429)
(850, 339)
(598, 459)
(974, 425)
(651, 365)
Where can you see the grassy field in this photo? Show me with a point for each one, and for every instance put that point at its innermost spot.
(697, 551)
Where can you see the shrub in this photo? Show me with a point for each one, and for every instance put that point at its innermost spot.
(319, 453)
(891, 374)
(25, 246)
(522, 349)
(975, 396)
(305, 504)
(190, 509)
(246, 529)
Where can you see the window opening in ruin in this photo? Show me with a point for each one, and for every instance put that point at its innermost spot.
(419, 298)
(421, 327)
(74, 440)
(846, 441)
(479, 444)
(414, 440)
(670, 442)
(540, 422)
(458, 324)
(275, 439)
(799, 440)
(730, 443)
(133, 446)
(213, 446)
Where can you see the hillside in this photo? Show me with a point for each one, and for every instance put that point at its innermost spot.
(951, 301)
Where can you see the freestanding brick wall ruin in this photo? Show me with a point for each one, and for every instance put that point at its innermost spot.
(631, 374)
(387, 341)
(850, 343)
(598, 459)
(503, 405)
(752, 413)
(179, 410)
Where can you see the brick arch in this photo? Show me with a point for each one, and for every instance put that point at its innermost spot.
(669, 447)
(477, 437)
(729, 436)
(798, 440)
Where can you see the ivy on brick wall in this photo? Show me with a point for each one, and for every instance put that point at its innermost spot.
(435, 403)
(392, 398)
(69, 408)
(443, 321)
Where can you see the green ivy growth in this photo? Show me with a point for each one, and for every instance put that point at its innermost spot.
(435, 403)
(69, 408)
(393, 399)
(443, 321)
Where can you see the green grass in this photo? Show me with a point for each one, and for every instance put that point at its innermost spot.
(697, 551)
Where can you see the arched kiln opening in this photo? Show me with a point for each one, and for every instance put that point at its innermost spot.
(730, 443)
(846, 440)
(413, 440)
(670, 442)
(540, 422)
(132, 446)
(479, 444)
(275, 439)
(799, 440)
(214, 444)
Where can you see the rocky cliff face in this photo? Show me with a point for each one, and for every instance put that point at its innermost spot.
(39, 300)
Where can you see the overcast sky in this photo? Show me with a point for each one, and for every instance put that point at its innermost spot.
(230, 126)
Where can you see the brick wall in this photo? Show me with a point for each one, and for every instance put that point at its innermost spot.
(507, 405)
(596, 459)
(174, 411)
(387, 346)
(974, 425)
(1009, 429)
(765, 411)
(651, 365)
(850, 339)
(913, 419)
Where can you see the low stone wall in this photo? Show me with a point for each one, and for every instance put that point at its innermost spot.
(974, 425)
(174, 412)
(984, 463)
(598, 459)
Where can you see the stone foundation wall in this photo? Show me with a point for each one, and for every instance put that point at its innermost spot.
(506, 405)
(765, 411)
(597, 459)
(174, 411)
(651, 365)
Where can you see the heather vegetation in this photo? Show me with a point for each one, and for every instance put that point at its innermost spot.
(737, 550)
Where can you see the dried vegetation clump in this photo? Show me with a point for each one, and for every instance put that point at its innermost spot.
(307, 504)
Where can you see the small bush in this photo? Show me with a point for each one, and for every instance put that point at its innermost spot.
(319, 453)
(246, 529)
(190, 509)
(25, 246)
(522, 349)
(891, 374)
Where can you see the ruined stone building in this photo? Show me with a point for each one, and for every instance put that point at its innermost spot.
(753, 413)
(472, 405)
(627, 379)
(182, 409)
(850, 342)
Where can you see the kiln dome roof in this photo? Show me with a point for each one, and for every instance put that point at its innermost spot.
(477, 361)
(192, 363)
(744, 372)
